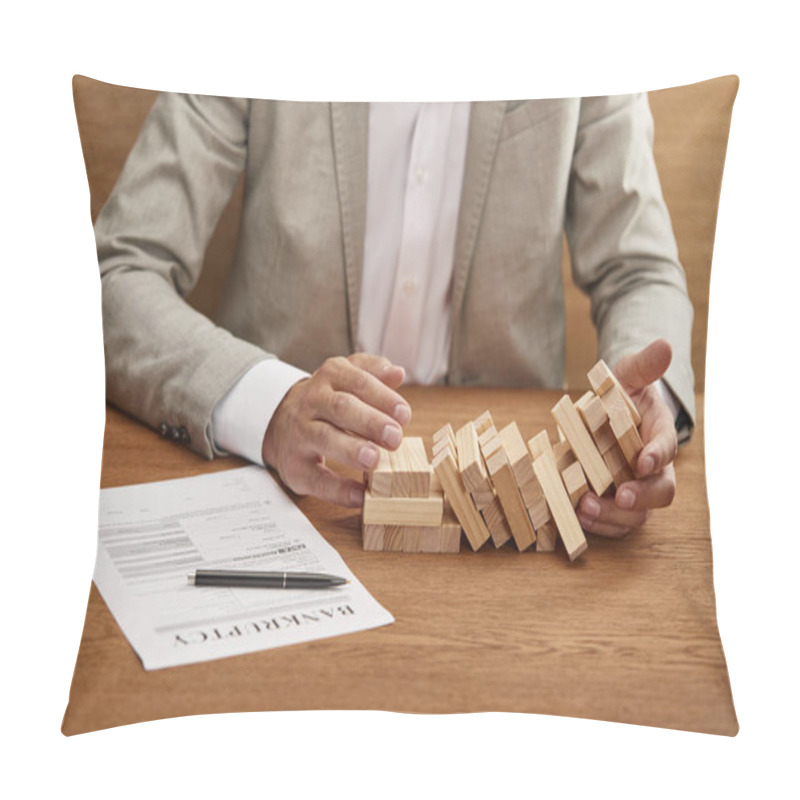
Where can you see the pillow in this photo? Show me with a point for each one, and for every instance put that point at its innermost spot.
(110, 688)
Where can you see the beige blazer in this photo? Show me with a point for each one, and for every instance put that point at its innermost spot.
(533, 170)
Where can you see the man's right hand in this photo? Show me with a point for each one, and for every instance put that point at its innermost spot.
(346, 408)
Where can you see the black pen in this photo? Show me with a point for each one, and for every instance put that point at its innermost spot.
(265, 580)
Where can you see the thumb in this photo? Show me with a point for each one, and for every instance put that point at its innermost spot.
(637, 370)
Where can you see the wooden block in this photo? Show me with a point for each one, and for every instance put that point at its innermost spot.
(430, 539)
(622, 425)
(411, 472)
(632, 445)
(546, 537)
(471, 521)
(582, 445)
(412, 537)
(574, 482)
(618, 465)
(603, 379)
(539, 514)
(483, 423)
(379, 480)
(446, 431)
(483, 499)
(441, 444)
(496, 522)
(450, 534)
(560, 505)
(444, 438)
(470, 460)
(393, 538)
(450, 539)
(488, 435)
(510, 499)
(373, 537)
(518, 456)
(539, 444)
(591, 411)
(402, 510)
(531, 492)
(634, 412)
(563, 455)
(604, 438)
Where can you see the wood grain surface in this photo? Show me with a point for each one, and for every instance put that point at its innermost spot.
(626, 633)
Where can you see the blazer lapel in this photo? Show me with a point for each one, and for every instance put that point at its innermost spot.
(486, 119)
(350, 128)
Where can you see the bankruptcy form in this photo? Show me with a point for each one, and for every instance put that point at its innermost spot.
(152, 535)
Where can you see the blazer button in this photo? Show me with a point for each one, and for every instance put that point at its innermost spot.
(164, 430)
(183, 434)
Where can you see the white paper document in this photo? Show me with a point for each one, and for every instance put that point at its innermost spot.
(152, 535)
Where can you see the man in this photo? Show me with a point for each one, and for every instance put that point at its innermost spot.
(428, 233)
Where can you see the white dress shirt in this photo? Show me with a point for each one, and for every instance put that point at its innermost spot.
(415, 170)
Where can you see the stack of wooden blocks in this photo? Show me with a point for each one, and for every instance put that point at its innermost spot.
(491, 485)
(404, 505)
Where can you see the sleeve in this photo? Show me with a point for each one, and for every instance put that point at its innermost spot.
(622, 246)
(166, 363)
(240, 419)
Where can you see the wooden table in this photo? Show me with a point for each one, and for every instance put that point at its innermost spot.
(627, 633)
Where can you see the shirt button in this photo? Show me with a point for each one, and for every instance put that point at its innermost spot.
(409, 285)
(421, 175)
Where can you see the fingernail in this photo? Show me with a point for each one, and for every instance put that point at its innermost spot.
(368, 456)
(392, 435)
(356, 497)
(625, 499)
(590, 507)
(390, 367)
(402, 413)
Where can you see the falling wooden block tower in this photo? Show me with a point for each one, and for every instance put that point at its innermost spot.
(493, 486)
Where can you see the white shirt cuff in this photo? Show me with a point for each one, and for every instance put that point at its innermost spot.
(240, 419)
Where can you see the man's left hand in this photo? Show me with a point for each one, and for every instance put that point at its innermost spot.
(654, 484)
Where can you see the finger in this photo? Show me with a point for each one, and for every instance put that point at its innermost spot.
(312, 477)
(606, 529)
(345, 377)
(657, 491)
(658, 434)
(637, 370)
(341, 414)
(601, 516)
(329, 441)
(380, 366)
